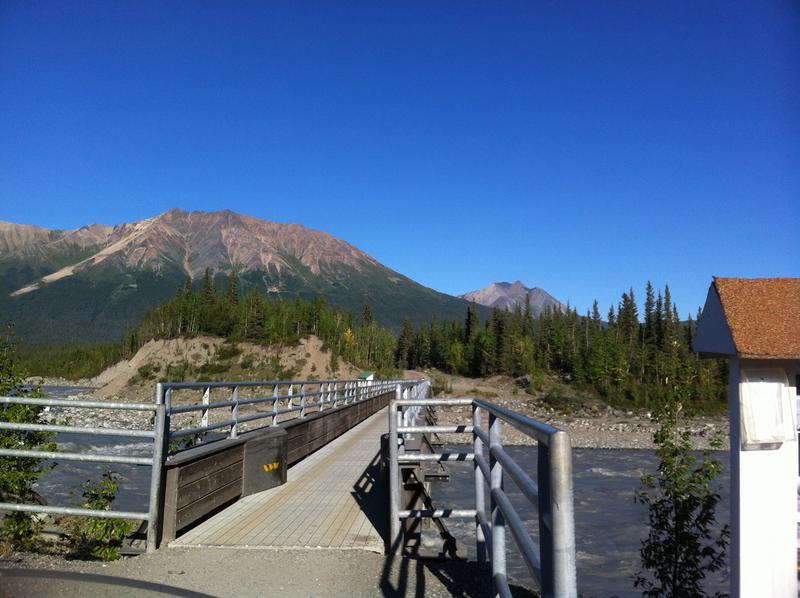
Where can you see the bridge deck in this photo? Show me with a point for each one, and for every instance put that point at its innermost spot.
(330, 500)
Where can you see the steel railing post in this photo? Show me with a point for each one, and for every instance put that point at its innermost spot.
(302, 400)
(275, 402)
(394, 478)
(206, 401)
(498, 521)
(480, 487)
(234, 411)
(545, 532)
(562, 515)
(156, 476)
(164, 397)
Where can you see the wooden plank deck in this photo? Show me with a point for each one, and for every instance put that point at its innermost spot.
(331, 500)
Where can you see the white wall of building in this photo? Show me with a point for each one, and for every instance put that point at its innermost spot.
(763, 503)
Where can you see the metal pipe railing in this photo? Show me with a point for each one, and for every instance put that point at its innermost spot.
(153, 461)
(551, 560)
(330, 393)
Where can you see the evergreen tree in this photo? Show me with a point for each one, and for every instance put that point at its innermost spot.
(404, 345)
(232, 293)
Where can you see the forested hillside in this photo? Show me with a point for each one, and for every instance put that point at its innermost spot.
(223, 311)
(624, 358)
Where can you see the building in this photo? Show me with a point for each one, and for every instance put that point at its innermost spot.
(755, 324)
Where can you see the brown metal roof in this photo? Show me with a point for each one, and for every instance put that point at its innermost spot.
(763, 315)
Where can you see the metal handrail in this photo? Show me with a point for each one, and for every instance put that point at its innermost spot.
(154, 460)
(328, 394)
(551, 560)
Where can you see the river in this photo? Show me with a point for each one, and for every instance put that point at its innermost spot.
(609, 523)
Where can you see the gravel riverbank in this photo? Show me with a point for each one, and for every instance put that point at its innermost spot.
(590, 425)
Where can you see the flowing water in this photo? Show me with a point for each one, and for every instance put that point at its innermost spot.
(609, 524)
(61, 485)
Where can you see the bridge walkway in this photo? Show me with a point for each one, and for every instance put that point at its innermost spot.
(331, 500)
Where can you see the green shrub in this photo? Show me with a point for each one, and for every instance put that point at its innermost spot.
(440, 384)
(228, 351)
(97, 536)
(178, 372)
(684, 542)
(148, 371)
(215, 368)
(19, 474)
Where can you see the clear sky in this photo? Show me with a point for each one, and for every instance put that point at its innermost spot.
(581, 147)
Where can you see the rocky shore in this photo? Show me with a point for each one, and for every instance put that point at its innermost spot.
(590, 426)
(608, 430)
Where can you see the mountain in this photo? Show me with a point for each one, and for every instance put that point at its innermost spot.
(506, 295)
(92, 283)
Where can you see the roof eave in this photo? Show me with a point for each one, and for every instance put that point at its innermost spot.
(774, 357)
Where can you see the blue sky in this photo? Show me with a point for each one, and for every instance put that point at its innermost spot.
(581, 147)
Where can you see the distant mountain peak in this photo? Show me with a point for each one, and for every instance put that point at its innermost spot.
(221, 241)
(96, 281)
(509, 294)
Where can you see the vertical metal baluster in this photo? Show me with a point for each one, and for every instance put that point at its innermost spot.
(498, 521)
(302, 400)
(545, 516)
(206, 401)
(234, 411)
(167, 398)
(275, 402)
(394, 478)
(480, 487)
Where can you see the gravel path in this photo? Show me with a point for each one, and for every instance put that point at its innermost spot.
(238, 573)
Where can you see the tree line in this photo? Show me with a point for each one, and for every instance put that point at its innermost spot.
(624, 358)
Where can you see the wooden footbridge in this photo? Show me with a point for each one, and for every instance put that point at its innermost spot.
(331, 499)
(304, 465)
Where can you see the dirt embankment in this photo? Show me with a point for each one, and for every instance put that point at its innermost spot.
(196, 359)
(590, 424)
(209, 358)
